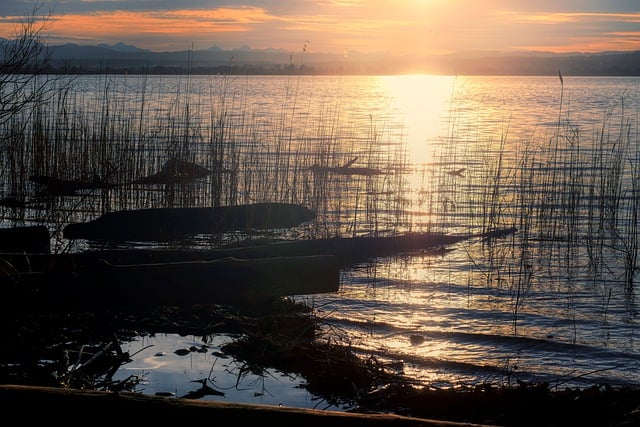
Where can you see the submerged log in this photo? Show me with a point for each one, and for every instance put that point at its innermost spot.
(100, 284)
(166, 224)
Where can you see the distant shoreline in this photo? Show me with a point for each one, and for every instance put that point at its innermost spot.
(73, 59)
(151, 72)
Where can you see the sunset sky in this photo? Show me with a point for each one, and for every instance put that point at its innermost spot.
(340, 26)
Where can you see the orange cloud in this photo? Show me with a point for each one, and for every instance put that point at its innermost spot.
(123, 25)
(243, 15)
(185, 20)
(400, 26)
(558, 18)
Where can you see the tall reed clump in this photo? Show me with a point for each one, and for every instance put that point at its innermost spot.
(23, 86)
(123, 129)
(571, 195)
(630, 238)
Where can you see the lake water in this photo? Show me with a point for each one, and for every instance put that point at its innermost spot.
(556, 159)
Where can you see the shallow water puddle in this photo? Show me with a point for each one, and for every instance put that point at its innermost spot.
(186, 366)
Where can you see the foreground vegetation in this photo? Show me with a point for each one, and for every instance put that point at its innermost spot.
(82, 351)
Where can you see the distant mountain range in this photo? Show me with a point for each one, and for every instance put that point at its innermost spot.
(123, 58)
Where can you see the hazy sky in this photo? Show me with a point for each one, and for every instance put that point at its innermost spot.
(340, 26)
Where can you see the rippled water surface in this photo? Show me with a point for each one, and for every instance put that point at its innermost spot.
(559, 162)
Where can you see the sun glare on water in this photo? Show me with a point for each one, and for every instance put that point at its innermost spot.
(422, 100)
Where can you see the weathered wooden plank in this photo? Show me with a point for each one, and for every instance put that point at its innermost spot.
(47, 405)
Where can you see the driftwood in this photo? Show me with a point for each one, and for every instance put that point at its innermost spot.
(346, 169)
(98, 283)
(66, 187)
(166, 224)
(175, 171)
(181, 277)
(351, 250)
(497, 233)
(456, 172)
(341, 170)
(46, 405)
(347, 251)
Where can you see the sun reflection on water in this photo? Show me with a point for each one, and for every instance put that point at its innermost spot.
(420, 101)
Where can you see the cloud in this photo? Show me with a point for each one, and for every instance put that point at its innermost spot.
(401, 26)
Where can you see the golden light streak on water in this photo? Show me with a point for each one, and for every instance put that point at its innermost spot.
(420, 101)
